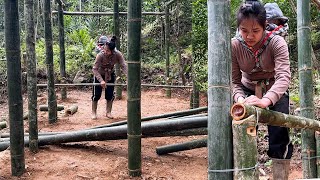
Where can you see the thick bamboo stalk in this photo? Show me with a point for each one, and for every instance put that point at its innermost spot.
(306, 87)
(117, 132)
(52, 101)
(134, 87)
(71, 110)
(12, 46)
(106, 13)
(219, 90)
(32, 75)
(62, 49)
(45, 107)
(240, 111)
(181, 146)
(245, 150)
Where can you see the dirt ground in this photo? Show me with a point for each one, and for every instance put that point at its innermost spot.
(108, 159)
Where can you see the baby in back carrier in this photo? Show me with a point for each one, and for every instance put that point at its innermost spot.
(276, 21)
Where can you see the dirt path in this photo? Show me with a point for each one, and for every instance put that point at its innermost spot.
(108, 159)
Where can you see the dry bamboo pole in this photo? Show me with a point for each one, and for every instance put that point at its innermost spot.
(106, 13)
(199, 143)
(149, 129)
(15, 102)
(71, 110)
(113, 84)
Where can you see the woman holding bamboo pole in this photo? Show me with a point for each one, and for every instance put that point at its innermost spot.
(103, 70)
(261, 76)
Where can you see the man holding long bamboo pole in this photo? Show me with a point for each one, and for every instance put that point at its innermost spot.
(261, 77)
(103, 70)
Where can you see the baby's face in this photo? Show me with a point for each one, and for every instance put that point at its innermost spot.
(275, 21)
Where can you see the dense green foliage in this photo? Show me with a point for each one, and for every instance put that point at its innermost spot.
(188, 25)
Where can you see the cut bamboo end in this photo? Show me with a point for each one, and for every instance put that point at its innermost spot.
(238, 111)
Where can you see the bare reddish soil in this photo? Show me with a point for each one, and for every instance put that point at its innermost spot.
(108, 159)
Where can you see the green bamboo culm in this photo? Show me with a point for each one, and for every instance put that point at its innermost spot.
(306, 87)
(13, 56)
(219, 91)
(62, 49)
(134, 87)
(52, 101)
(32, 75)
(116, 31)
(167, 48)
(245, 150)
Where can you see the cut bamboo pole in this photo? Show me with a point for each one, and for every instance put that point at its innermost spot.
(45, 107)
(3, 124)
(116, 133)
(245, 150)
(71, 110)
(241, 111)
(181, 146)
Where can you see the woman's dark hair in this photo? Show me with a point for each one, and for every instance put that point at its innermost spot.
(252, 10)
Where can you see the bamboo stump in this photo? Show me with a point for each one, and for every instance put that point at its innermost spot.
(245, 150)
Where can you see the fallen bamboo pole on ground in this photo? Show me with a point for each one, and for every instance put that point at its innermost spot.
(241, 111)
(71, 110)
(199, 143)
(175, 114)
(116, 133)
(45, 107)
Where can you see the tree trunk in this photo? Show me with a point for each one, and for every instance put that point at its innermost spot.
(12, 45)
(219, 90)
(134, 87)
(32, 75)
